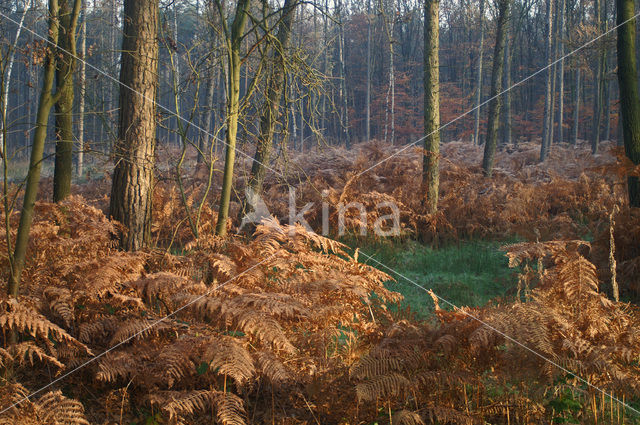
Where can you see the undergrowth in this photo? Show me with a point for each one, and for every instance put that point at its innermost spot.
(285, 326)
(466, 273)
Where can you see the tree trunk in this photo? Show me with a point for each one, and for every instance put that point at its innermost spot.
(628, 83)
(544, 148)
(64, 107)
(47, 100)
(271, 109)
(560, 65)
(132, 186)
(552, 112)
(83, 91)
(391, 93)
(206, 139)
(508, 55)
(233, 45)
(496, 83)
(343, 78)
(607, 105)
(598, 84)
(476, 133)
(431, 158)
(368, 101)
(576, 109)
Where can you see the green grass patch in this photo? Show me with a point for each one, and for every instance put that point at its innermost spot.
(467, 273)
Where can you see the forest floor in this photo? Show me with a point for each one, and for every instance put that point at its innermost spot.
(288, 326)
(467, 272)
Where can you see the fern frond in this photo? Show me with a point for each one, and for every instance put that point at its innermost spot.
(60, 303)
(24, 320)
(28, 351)
(379, 363)
(384, 386)
(228, 357)
(407, 417)
(273, 369)
(265, 328)
(138, 328)
(57, 409)
(230, 409)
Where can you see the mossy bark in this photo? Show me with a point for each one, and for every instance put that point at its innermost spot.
(64, 107)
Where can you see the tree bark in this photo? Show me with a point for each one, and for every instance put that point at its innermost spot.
(607, 105)
(476, 133)
(431, 158)
(132, 186)
(343, 78)
(544, 148)
(233, 46)
(560, 65)
(496, 83)
(83, 91)
(64, 107)
(628, 83)
(598, 83)
(368, 101)
(508, 55)
(576, 109)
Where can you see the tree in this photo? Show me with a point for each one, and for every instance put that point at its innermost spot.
(131, 189)
(46, 102)
(233, 44)
(600, 7)
(83, 91)
(64, 106)
(431, 158)
(476, 133)
(369, 72)
(560, 65)
(271, 109)
(628, 83)
(544, 147)
(496, 83)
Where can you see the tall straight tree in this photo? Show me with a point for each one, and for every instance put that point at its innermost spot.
(83, 90)
(506, 83)
(628, 83)
(546, 127)
(560, 66)
(431, 158)
(64, 107)
(600, 6)
(496, 86)
(476, 132)
(46, 102)
(132, 186)
(233, 45)
(369, 72)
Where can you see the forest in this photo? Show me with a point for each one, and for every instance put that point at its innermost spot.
(309, 212)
